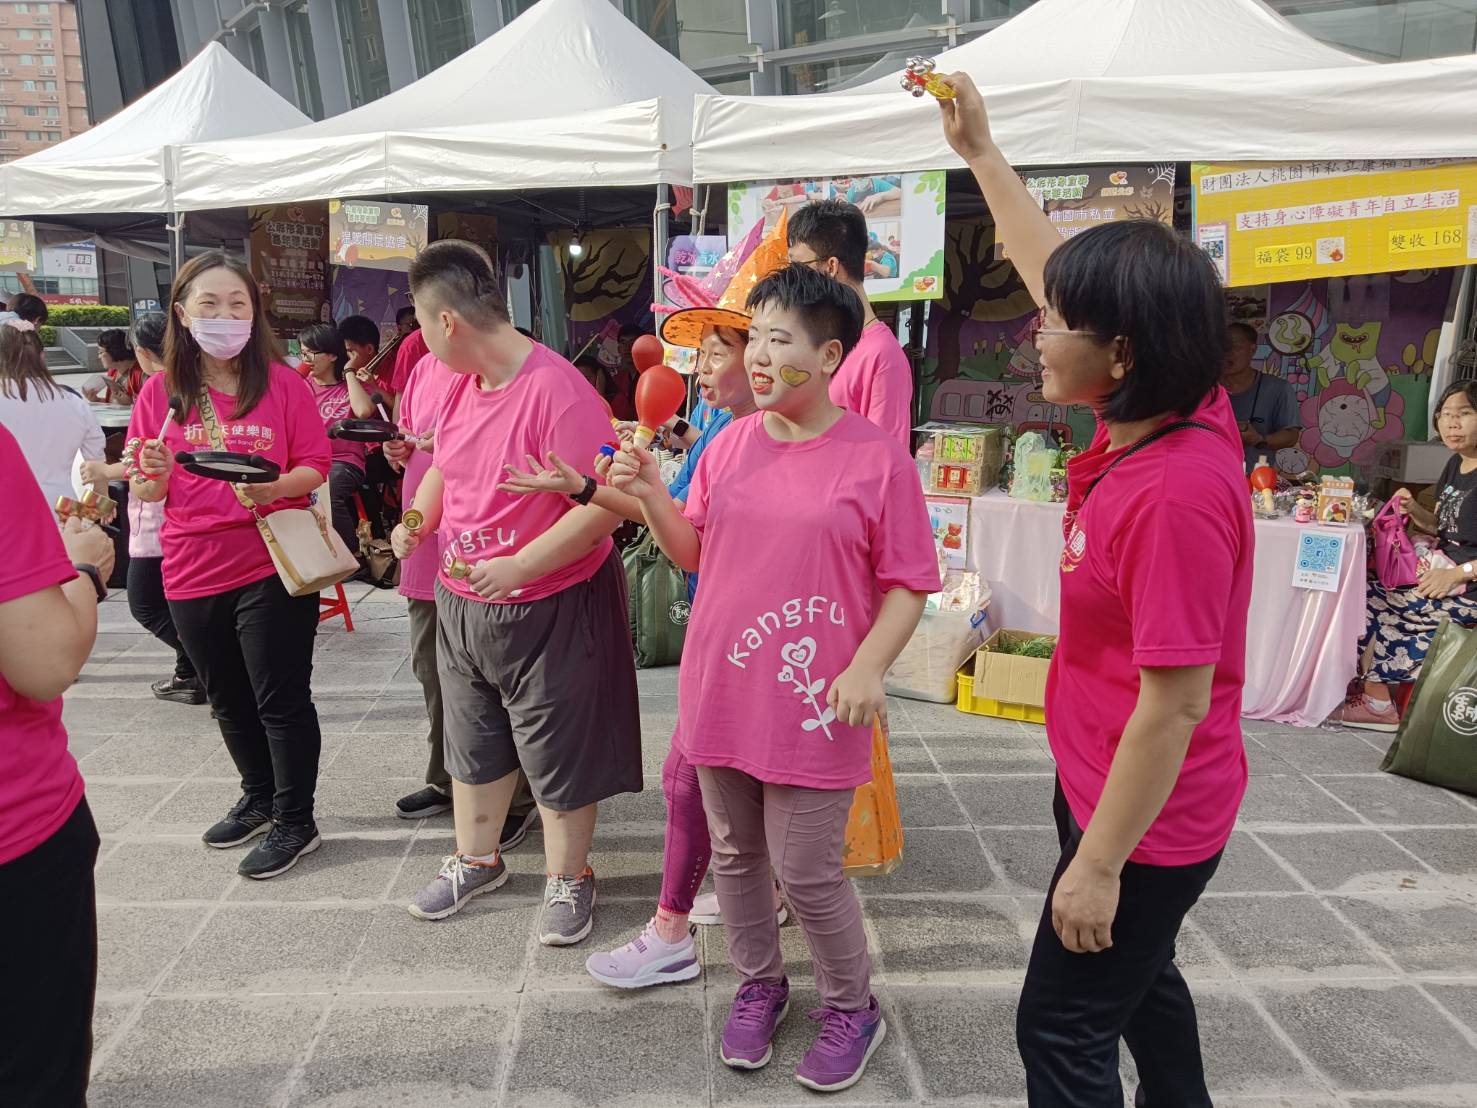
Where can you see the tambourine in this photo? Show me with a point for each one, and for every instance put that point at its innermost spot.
(367, 430)
(224, 465)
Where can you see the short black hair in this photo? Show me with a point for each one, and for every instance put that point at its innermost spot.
(360, 329)
(828, 308)
(833, 229)
(326, 339)
(1467, 388)
(1245, 330)
(148, 333)
(407, 312)
(1139, 280)
(29, 307)
(524, 331)
(459, 275)
(116, 343)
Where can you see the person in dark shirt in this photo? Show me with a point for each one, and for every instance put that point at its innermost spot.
(1266, 406)
(1401, 622)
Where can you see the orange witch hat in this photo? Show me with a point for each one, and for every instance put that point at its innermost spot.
(685, 328)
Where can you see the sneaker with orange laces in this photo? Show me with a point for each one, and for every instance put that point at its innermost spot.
(1367, 714)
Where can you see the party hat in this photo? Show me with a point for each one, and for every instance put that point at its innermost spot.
(682, 291)
(685, 328)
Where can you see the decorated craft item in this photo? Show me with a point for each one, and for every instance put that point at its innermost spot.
(1336, 500)
(963, 479)
(1306, 506)
(660, 391)
(920, 77)
(1264, 483)
(226, 465)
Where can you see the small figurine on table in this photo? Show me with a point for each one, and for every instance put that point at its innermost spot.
(920, 77)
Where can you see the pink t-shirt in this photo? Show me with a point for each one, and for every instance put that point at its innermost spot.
(876, 382)
(1156, 572)
(334, 404)
(211, 544)
(799, 542)
(411, 351)
(39, 782)
(548, 406)
(422, 396)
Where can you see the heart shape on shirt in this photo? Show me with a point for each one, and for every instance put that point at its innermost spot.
(799, 654)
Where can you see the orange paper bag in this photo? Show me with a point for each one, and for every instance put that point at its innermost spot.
(874, 830)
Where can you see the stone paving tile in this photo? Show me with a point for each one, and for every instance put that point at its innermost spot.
(1334, 958)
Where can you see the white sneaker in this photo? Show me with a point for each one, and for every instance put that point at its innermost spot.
(706, 913)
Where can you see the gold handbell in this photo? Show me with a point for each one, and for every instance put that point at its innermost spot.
(413, 520)
(66, 508)
(95, 506)
(459, 570)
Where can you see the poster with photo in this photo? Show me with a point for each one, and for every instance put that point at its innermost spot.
(905, 224)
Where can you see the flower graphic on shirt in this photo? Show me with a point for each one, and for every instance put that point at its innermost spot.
(797, 657)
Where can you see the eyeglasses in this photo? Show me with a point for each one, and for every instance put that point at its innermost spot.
(306, 353)
(1039, 328)
(811, 263)
(1455, 417)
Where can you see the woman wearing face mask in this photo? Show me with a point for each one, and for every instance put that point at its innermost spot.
(251, 642)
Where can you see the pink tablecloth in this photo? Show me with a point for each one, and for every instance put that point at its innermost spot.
(1302, 645)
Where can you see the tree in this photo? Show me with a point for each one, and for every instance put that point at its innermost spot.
(977, 285)
(610, 270)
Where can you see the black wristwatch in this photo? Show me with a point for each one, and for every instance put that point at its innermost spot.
(586, 494)
(681, 427)
(97, 579)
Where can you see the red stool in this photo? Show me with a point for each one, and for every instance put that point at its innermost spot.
(337, 605)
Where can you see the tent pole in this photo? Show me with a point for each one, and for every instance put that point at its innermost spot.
(659, 240)
(176, 242)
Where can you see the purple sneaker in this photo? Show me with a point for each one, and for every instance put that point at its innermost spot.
(841, 1051)
(756, 1013)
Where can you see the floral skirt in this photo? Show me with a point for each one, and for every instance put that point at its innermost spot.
(1401, 623)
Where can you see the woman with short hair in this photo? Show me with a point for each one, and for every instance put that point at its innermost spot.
(338, 396)
(1143, 702)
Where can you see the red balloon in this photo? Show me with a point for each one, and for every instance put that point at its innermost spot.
(1264, 477)
(659, 393)
(646, 352)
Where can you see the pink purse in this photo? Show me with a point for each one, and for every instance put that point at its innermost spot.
(1394, 553)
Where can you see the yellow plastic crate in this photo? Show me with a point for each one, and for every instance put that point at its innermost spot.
(983, 706)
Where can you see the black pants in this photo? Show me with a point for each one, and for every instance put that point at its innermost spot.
(1075, 1007)
(379, 479)
(253, 649)
(146, 602)
(48, 961)
(344, 479)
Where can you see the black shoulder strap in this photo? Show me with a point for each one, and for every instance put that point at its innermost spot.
(1143, 443)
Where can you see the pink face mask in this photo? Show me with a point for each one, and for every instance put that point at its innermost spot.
(221, 338)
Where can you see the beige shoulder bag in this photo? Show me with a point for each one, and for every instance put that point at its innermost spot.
(307, 552)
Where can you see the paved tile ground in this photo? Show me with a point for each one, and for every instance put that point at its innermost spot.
(1334, 960)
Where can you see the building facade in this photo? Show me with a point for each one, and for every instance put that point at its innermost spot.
(43, 98)
(327, 56)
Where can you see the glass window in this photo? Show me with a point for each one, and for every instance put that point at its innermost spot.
(304, 68)
(734, 86)
(997, 9)
(257, 44)
(28, 86)
(48, 59)
(512, 9)
(33, 136)
(439, 31)
(45, 33)
(31, 109)
(1388, 30)
(4, 135)
(695, 30)
(364, 51)
(808, 21)
(825, 75)
(27, 34)
(22, 9)
(53, 136)
(53, 110)
(27, 59)
(48, 86)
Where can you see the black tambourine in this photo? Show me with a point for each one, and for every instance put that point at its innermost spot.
(366, 430)
(224, 465)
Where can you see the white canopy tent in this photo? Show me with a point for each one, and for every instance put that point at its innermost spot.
(569, 94)
(1071, 82)
(124, 164)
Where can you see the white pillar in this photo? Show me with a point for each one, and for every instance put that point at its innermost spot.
(328, 56)
(399, 51)
(279, 59)
(487, 18)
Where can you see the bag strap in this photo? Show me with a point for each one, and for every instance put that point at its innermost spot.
(218, 442)
(1143, 443)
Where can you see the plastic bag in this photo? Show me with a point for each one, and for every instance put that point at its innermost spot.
(1034, 458)
(656, 603)
(928, 667)
(1437, 740)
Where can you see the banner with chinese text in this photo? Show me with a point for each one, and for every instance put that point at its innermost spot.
(1265, 223)
(1089, 197)
(289, 259)
(376, 235)
(17, 245)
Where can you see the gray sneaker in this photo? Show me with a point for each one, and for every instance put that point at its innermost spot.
(569, 909)
(458, 882)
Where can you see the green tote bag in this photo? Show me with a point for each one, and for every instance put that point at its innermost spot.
(657, 604)
(1437, 740)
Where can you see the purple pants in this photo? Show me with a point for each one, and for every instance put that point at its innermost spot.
(689, 847)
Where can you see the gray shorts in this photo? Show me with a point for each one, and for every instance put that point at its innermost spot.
(548, 687)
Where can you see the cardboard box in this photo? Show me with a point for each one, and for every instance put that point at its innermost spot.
(1008, 678)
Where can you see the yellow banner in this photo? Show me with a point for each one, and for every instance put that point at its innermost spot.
(1263, 222)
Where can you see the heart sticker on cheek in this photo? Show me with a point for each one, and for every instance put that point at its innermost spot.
(794, 377)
